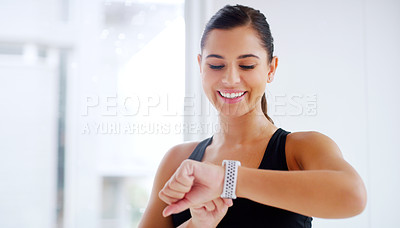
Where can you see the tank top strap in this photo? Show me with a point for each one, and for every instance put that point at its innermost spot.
(275, 156)
(198, 152)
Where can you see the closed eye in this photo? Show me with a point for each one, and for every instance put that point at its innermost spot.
(216, 67)
(247, 67)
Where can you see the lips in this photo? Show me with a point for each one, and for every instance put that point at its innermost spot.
(232, 96)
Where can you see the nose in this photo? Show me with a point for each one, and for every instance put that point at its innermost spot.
(231, 77)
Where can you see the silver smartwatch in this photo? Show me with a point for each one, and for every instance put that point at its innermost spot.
(231, 170)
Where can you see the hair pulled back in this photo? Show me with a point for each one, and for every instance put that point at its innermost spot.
(230, 17)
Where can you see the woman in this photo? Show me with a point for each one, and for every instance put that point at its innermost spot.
(284, 178)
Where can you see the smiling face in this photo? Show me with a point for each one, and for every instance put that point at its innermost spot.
(235, 69)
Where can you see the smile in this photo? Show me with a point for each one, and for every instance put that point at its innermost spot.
(231, 95)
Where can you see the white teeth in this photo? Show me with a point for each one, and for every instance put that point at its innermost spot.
(231, 95)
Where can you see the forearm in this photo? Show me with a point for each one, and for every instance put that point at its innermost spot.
(189, 224)
(319, 193)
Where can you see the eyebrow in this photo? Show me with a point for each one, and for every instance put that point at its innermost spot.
(247, 56)
(215, 56)
(240, 57)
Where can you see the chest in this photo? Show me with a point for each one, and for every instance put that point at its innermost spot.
(250, 155)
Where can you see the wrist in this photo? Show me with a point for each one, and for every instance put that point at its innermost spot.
(221, 181)
(193, 223)
(239, 183)
(188, 224)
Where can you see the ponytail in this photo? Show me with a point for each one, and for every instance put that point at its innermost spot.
(264, 108)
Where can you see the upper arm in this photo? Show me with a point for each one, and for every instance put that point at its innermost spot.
(315, 151)
(171, 161)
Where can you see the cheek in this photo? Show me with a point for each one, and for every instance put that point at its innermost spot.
(207, 84)
(257, 80)
(209, 80)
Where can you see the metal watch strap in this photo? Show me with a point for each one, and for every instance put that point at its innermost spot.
(231, 170)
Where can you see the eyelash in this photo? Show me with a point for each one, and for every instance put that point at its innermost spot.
(214, 67)
(245, 67)
(219, 67)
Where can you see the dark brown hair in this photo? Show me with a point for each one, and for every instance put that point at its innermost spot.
(230, 17)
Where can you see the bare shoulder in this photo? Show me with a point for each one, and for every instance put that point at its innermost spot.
(178, 153)
(310, 149)
(310, 141)
(172, 160)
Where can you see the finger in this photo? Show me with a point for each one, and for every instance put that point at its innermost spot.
(219, 203)
(167, 199)
(209, 206)
(173, 193)
(222, 205)
(183, 176)
(169, 195)
(200, 206)
(176, 207)
(178, 186)
(228, 202)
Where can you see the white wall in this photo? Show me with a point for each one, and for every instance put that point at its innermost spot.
(344, 53)
(382, 62)
(103, 60)
(28, 144)
(28, 117)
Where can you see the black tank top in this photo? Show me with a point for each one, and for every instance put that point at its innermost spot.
(246, 213)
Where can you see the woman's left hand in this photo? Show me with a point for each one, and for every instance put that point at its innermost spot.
(210, 213)
(194, 183)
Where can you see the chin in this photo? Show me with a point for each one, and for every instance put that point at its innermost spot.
(232, 111)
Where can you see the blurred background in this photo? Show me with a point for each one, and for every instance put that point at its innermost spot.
(94, 92)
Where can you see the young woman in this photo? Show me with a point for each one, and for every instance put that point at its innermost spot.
(284, 178)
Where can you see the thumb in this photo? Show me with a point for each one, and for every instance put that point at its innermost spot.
(177, 207)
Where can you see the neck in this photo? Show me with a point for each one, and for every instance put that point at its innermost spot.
(244, 129)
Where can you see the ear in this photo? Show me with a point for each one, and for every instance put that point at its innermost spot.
(199, 61)
(272, 69)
